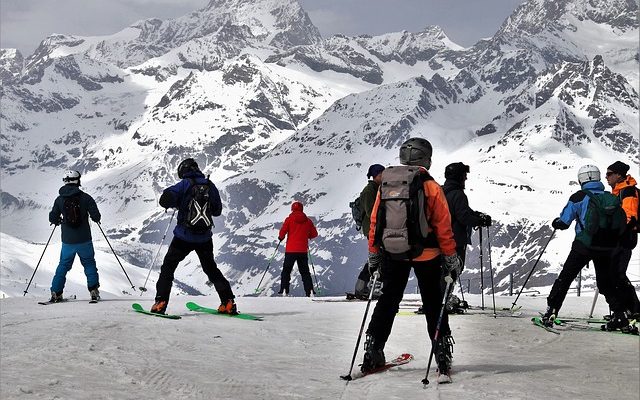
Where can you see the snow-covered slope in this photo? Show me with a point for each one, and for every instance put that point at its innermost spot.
(77, 351)
(275, 113)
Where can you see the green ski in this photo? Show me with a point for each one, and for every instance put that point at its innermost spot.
(537, 321)
(138, 308)
(195, 307)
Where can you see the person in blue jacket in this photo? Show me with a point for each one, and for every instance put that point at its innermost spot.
(581, 254)
(197, 200)
(71, 210)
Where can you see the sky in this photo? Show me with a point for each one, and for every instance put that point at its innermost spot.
(25, 23)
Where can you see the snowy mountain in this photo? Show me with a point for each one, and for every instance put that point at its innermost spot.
(275, 113)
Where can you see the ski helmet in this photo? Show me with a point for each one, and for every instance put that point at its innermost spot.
(187, 165)
(416, 151)
(296, 206)
(72, 177)
(588, 173)
(456, 171)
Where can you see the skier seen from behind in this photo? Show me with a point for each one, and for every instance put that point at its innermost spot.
(437, 255)
(624, 186)
(197, 200)
(72, 209)
(590, 244)
(367, 199)
(298, 229)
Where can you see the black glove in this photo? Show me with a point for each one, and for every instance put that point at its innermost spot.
(452, 266)
(56, 221)
(485, 220)
(375, 262)
(559, 224)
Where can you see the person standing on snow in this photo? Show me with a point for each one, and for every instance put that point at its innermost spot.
(437, 258)
(588, 246)
(197, 200)
(72, 209)
(624, 186)
(367, 199)
(298, 229)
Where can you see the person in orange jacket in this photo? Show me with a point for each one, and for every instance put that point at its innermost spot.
(438, 257)
(298, 229)
(625, 187)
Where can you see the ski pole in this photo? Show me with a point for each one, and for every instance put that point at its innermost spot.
(434, 342)
(143, 288)
(532, 269)
(493, 289)
(45, 249)
(375, 277)
(314, 272)
(481, 270)
(117, 259)
(266, 269)
(459, 279)
(593, 305)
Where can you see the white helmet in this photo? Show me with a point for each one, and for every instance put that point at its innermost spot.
(71, 177)
(588, 173)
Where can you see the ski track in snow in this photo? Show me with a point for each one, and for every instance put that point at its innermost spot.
(78, 350)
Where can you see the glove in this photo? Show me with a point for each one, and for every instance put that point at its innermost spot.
(559, 224)
(485, 220)
(452, 266)
(375, 262)
(56, 221)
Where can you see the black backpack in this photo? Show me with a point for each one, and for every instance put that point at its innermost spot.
(401, 222)
(198, 217)
(357, 212)
(71, 211)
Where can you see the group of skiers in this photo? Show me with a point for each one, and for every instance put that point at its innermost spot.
(410, 222)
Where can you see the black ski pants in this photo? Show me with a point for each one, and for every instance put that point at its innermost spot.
(577, 259)
(178, 250)
(396, 276)
(623, 286)
(303, 266)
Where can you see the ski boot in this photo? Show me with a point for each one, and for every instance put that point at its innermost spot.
(549, 317)
(95, 295)
(228, 307)
(618, 320)
(159, 307)
(373, 355)
(444, 358)
(55, 297)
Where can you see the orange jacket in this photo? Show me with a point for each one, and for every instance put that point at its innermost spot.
(439, 222)
(629, 203)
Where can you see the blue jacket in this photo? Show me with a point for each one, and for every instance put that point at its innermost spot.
(576, 207)
(88, 208)
(175, 197)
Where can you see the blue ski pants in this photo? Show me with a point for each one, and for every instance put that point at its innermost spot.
(67, 255)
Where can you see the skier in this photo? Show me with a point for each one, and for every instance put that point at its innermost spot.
(197, 200)
(587, 246)
(437, 258)
(298, 229)
(72, 209)
(624, 186)
(367, 199)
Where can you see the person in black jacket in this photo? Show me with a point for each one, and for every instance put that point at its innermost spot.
(463, 218)
(72, 209)
(192, 233)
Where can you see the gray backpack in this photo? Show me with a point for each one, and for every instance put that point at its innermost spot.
(401, 224)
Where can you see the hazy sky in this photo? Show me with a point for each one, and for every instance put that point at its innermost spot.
(24, 23)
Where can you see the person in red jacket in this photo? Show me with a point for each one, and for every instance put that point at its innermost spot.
(299, 229)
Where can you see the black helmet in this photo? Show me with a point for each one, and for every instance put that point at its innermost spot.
(186, 166)
(456, 171)
(416, 151)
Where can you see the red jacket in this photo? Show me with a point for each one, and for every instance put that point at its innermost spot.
(299, 229)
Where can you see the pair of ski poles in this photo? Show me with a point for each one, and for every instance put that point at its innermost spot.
(26, 290)
(493, 290)
(258, 290)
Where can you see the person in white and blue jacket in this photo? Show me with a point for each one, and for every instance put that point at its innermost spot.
(580, 254)
(187, 239)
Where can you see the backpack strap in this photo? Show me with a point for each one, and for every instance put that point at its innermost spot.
(591, 196)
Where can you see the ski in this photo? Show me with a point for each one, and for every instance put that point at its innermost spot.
(596, 326)
(400, 360)
(195, 307)
(537, 321)
(138, 308)
(44, 303)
